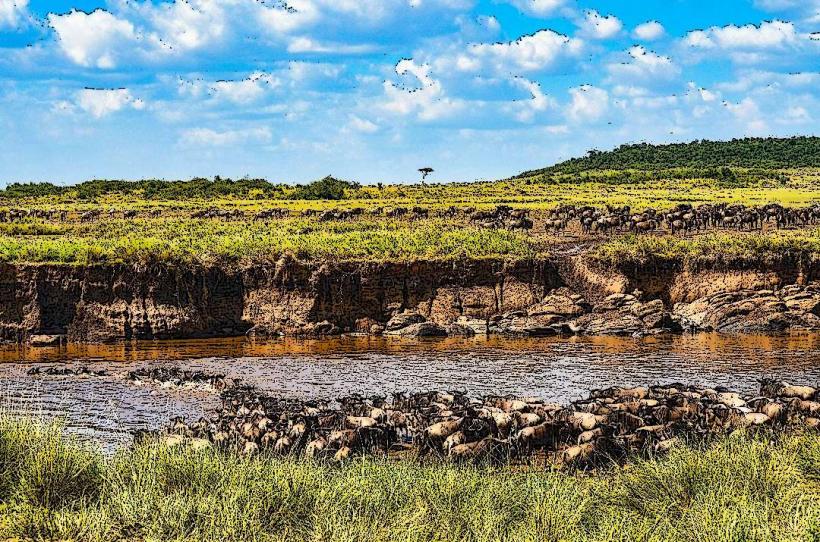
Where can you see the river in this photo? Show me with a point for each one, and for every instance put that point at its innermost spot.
(108, 409)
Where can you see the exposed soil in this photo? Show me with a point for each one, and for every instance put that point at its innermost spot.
(564, 294)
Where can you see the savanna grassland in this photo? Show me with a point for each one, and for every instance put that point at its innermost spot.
(155, 220)
(175, 235)
(54, 488)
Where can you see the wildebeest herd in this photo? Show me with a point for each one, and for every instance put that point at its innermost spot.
(683, 218)
(174, 377)
(66, 371)
(609, 425)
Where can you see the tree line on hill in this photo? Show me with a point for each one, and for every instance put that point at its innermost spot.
(757, 158)
(765, 153)
(328, 188)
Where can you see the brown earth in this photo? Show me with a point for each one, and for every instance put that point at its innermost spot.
(47, 304)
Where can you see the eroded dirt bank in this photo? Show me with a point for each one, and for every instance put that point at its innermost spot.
(569, 294)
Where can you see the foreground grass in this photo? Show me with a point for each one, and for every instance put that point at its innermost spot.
(738, 489)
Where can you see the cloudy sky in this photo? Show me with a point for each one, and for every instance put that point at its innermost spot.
(374, 89)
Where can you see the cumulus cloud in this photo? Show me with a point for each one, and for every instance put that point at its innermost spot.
(748, 112)
(767, 35)
(364, 126)
(303, 44)
(599, 27)
(748, 80)
(649, 31)
(188, 25)
(526, 110)
(808, 9)
(588, 103)
(101, 102)
(645, 65)
(93, 39)
(159, 31)
(428, 100)
(13, 13)
(535, 52)
(538, 8)
(208, 137)
(240, 91)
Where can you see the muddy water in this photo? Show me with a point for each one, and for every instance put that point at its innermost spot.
(109, 408)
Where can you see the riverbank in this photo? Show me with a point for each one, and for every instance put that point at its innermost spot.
(576, 293)
(736, 489)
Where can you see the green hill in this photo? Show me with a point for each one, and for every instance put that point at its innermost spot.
(769, 153)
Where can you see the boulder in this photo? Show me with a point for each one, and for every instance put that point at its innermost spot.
(365, 325)
(46, 340)
(477, 325)
(456, 330)
(421, 329)
(753, 311)
(403, 320)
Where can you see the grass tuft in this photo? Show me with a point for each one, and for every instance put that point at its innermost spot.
(735, 489)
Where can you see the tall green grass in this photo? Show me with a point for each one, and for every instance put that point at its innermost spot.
(710, 248)
(189, 240)
(737, 489)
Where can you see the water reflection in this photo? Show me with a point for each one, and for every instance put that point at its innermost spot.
(555, 369)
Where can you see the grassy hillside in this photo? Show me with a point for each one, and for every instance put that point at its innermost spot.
(768, 153)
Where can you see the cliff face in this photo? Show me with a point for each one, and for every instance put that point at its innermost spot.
(100, 303)
(114, 302)
(103, 303)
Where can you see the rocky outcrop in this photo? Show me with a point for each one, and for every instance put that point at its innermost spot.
(625, 314)
(753, 311)
(551, 316)
(52, 303)
(49, 304)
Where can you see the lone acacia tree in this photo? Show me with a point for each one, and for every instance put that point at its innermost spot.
(425, 171)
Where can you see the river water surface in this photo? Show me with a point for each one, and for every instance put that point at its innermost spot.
(108, 409)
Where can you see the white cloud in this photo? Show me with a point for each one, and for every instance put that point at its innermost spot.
(102, 102)
(535, 52)
(490, 23)
(358, 124)
(809, 9)
(13, 12)
(649, 31)
(747, 80)
(778, 5)
(246, 90)
(645, 65)
(240, 91)
(588, 103)
(186, 25)
(428, 101)
(92, 39)
(599, 27)
(527, 109)
(158, 30)
(538, 8)
(748, 112)
(769, 34)
(701, 93)
(303, 44)
(212, 138)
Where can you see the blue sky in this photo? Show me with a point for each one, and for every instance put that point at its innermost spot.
(372, 90)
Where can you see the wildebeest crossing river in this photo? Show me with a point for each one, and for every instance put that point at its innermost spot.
(109, 408)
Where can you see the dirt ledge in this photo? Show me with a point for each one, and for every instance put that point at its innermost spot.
(100, 303)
